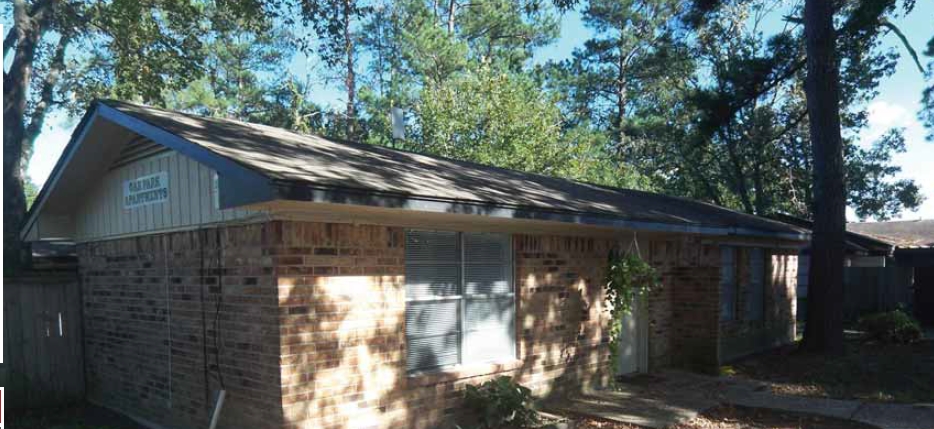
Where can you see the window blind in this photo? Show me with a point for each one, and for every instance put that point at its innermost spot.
(460, 302)
(489, 324)
(432, 290)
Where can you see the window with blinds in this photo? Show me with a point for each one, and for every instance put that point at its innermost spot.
(460, 301)
(727, 283)
(755, 304)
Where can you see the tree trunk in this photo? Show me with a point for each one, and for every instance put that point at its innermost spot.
(350, 78)
(29, 31)
(452, 11)
(14, 198)
(622, 95)
(824, 329)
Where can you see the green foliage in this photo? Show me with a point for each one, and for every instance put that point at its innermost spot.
(730, 126)
(236, 52)
(869, 173)
(32, 191)
(615, 79)
(893, 327)
(714, 112)
(629, 278)
(491, 117)
(333, 22)
(501, 403)
(141, 50)
(501, 118)
(927, 98)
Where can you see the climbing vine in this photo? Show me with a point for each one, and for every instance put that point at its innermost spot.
(628, 278)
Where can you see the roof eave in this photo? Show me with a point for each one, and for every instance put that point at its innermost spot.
(299, 191)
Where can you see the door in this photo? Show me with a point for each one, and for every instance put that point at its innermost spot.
(632, 356)
(42, 361)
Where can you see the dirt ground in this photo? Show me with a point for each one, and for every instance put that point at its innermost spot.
(79, 416)
(874, 372)
(731, 417)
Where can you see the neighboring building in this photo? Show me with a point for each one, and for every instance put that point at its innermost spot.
(888, 265)
(325, 284)
(913, 250)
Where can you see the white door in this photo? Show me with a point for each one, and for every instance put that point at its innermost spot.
(630, 356)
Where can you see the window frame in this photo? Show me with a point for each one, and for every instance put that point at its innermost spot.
(462, 297)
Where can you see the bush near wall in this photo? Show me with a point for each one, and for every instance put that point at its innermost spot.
(892, 327)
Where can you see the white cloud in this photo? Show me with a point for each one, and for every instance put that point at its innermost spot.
(884, 114)
(918, 160)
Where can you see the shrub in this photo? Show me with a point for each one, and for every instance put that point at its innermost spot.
(893, 327)
(501, 403)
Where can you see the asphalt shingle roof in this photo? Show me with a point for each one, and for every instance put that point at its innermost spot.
(282, 155)
(907, 234)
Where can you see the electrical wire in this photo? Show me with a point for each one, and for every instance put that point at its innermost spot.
(217, 309)
(168, 307)
(202, 238)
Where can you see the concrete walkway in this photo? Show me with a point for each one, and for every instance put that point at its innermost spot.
(649, 400)
(663, 399)
(885, 416)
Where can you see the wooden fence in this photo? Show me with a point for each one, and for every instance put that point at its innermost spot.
(865, 290)
(42, 351)
(874, 289)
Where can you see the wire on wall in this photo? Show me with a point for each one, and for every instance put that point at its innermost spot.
(168, 307)
(217, 309)
(202, 238)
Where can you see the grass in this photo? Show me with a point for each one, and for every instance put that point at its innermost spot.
(733, 417)
(868, 371)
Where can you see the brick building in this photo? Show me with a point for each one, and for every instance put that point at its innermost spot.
(327, 284)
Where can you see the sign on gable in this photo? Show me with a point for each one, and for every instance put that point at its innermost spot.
(146, 190)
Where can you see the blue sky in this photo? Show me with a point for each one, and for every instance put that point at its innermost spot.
(896, 106)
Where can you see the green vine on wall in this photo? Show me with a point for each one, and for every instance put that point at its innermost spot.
(628, 279)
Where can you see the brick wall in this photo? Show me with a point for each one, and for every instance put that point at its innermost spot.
(342, 308)
(309, 329)
(683, 314)
(158, 351)
(742, 336)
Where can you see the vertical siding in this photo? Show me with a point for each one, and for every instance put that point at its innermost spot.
(190, 200)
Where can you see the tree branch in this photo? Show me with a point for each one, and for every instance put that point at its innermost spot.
(46, 92)
(883, 22)
(20, 20)
(901, 36)
(9, 41)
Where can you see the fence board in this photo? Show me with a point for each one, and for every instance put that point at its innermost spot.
(43, 363)
(873, 289)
